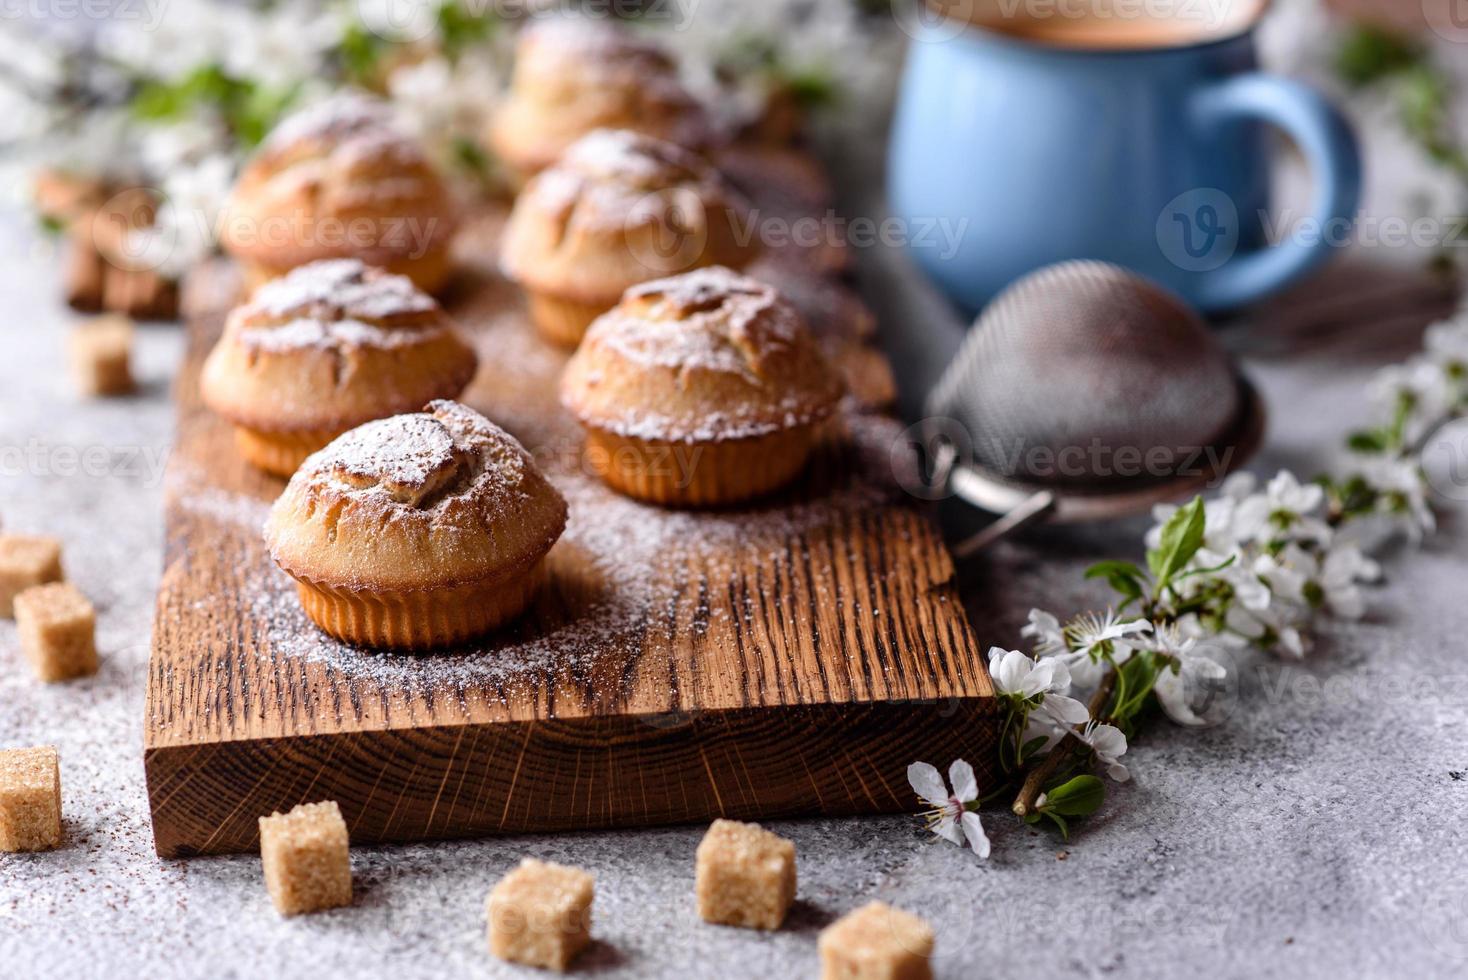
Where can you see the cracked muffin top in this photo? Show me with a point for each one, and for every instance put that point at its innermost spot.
(709, 355)
(618, 209)
(576, 74)
(428, 500)
(339, 178)
(332, 345)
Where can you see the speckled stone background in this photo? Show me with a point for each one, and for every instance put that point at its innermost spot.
(1318, 831)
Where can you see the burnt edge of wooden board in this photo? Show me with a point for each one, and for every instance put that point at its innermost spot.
(544, 776)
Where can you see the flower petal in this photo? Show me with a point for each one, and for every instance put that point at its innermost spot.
(1041, 678)
(1108, 741)
(947, 828)
(965, 786)
(973, 829)
(1172, 694)
(1064, 709)
(1012, 673)
(927, 783)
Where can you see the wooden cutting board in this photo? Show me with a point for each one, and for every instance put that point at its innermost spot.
(781, 660)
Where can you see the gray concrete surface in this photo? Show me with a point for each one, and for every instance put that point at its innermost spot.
(1317, 832)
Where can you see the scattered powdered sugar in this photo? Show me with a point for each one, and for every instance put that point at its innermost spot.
(550, 42)
(711, 319)
(339, 115)
(402, 451)
(758, 420)
(336, 289)
(302, 332)
(639, 556)
(232, 509)
(640, 161)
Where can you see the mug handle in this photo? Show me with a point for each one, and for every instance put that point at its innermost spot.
(1330, 147)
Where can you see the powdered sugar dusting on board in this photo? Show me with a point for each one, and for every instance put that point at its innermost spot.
(639, 559)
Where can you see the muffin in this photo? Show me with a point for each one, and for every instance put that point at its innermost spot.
(330, 346)
(699, 390)
(340, 179)
(618, 209)
(417, 531)
(573, 75)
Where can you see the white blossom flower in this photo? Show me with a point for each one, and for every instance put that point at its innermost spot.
(949, 816)
(1045, 630)
(1091, 633)
(1018, 675)
(1339, 578)
(1193, 664)
(1421, 385)
(1087, 638)
(1109, 744)
(1287, 509)
(1446, 343)
(1276, 626)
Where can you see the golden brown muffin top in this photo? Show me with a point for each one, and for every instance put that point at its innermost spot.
(331, 345)
(576, 74)
(618, 209)
(705, 356)
(437, 498)
(338, 178)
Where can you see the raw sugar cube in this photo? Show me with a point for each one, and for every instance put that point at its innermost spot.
(540, 914)
(26, 561)
(58, 631)
(307, 864)
(877, 942)
(745, 875)
(101, 356)
(30, 799)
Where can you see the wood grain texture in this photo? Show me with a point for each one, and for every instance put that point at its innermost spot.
(787, 659)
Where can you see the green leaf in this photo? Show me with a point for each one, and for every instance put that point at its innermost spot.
(1207, 571)
(1080, 796)
(360, 50)
(471, 157)
(1059, 822)
(1123, 576)
(461, 27)
(1136, 677)
(1182, 536)
(1369, 54)
(1032, 746)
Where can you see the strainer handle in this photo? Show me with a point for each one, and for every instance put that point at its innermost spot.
(1329, 146)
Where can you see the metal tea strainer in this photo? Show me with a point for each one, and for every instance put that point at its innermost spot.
(1086, 392)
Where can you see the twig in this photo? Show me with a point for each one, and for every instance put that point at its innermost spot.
(1040, 775)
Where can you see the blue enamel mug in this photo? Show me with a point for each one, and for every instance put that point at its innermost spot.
(1153, 156)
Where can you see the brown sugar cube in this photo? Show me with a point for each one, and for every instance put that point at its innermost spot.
(745, 876)
(30, 800)
(58, 631)
(101, 355)
(540, 914)
(877, 942)
(307, 864)
(26, 561)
